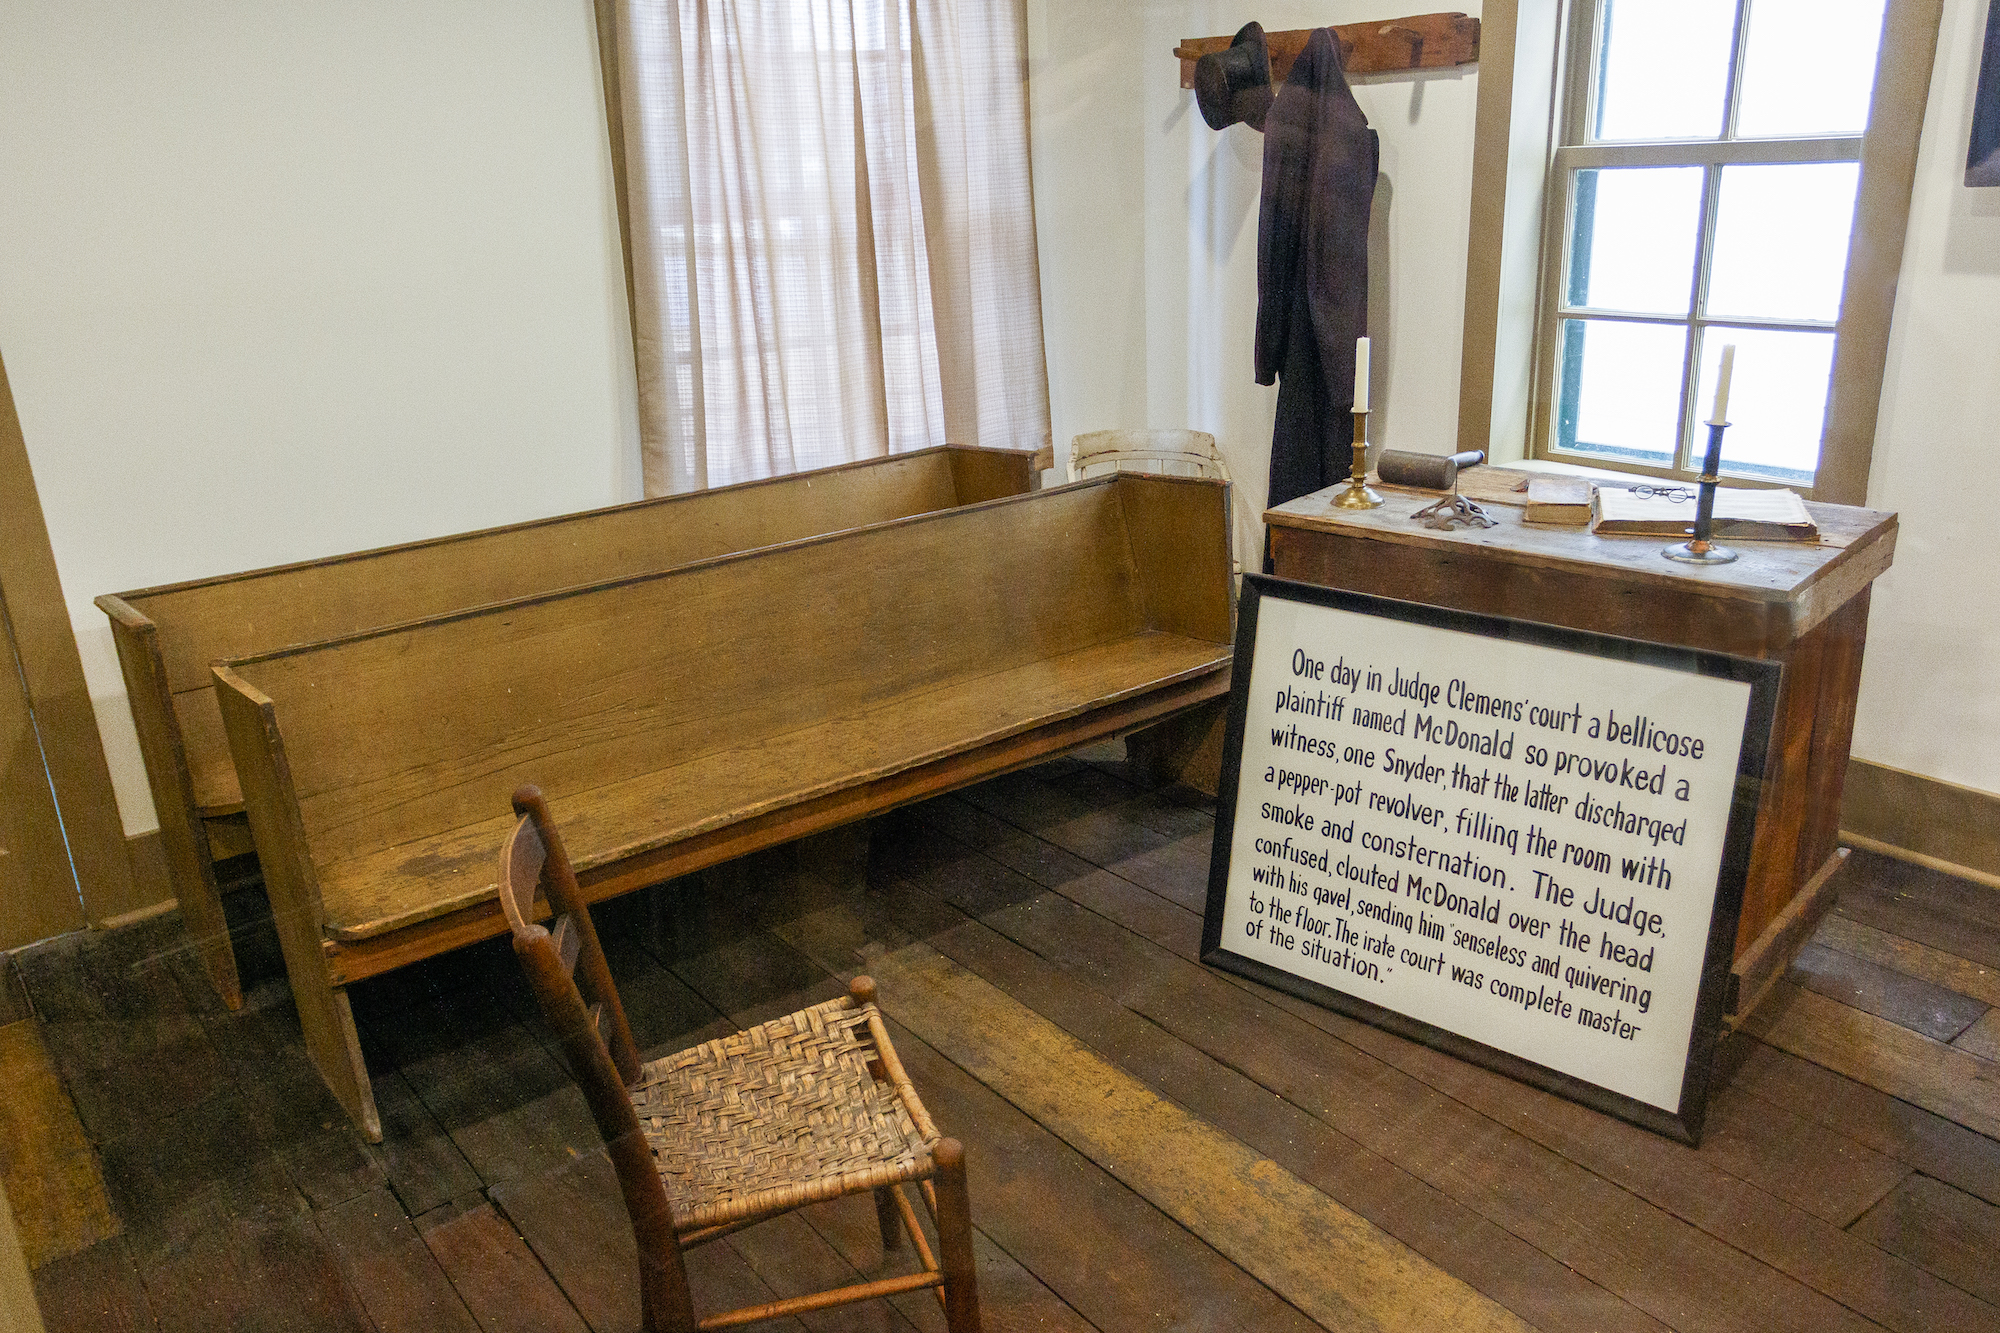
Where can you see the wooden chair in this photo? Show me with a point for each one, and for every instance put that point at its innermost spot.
(1172, 453)
(805, 1108)
(1181, 453)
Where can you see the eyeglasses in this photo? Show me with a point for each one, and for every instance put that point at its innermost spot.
(1676, 494)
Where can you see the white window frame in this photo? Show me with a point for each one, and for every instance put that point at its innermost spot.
(1506, 380)
(1576, 151)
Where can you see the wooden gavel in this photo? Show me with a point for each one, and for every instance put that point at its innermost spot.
(1430, 472)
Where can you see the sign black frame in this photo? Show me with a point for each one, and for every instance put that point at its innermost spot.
(1982, 154)
(1762, 677)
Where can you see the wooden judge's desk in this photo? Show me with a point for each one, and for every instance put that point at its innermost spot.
(1802, 604)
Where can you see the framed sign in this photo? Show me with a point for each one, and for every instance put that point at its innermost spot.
(1982, 158)
(1521, 844)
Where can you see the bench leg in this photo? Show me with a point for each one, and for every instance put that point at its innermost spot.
(200, 899)
(326, 1019)
(323, 1007)
(183, 833)
(338, 1055)
(272, 805)
(1187, 748)
(328, 1024)
(324, 1015)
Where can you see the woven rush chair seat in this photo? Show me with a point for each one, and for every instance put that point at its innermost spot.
(782, 1114)
(798, 1110)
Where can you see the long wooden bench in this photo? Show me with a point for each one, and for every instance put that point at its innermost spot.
(168, 636)
(686, 718)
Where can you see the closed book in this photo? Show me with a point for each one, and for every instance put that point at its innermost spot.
(1558, 502)
(1740, 512)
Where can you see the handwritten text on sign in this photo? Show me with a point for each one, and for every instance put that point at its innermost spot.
(1509, 841)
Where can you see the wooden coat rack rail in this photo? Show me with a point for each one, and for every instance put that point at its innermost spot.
(1425, 41)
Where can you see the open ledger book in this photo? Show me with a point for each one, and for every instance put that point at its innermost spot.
(1742, 513)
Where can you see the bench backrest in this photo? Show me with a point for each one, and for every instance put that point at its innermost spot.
(408, 732)
(169, 636)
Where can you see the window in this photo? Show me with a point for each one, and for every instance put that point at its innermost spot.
(831, 233)
(1703, 192)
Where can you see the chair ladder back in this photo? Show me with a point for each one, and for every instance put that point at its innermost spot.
(549, 960)
(533, 858)
(1163, 450)
(568, 941)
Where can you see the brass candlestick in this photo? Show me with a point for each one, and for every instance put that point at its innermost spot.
(1357, 495)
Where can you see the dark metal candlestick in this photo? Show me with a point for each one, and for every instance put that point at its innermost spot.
(1700, 550)
(1357, 495)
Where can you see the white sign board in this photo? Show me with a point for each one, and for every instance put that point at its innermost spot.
(1522, 843)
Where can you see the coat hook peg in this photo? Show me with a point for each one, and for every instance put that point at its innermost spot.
(1424, 41)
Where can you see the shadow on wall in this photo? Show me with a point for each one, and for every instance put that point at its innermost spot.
(1381, 312)
(1226, 187)
(1220, 394)
(1416, 80)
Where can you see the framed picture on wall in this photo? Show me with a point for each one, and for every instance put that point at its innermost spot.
(1982, 163)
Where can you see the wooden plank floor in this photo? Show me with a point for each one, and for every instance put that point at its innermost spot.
(1152, 1145)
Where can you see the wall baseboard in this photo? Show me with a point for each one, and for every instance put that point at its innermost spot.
(1914, 818)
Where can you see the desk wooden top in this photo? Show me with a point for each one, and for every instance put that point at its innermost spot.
(1800, 582)
(1763, 571)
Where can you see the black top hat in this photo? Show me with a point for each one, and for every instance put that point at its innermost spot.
(1235, 84)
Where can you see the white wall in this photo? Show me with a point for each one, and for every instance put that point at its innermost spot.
(1147, 223)
(1930, 684)
(283, 280)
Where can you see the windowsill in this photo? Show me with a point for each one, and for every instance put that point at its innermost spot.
(1612, 472)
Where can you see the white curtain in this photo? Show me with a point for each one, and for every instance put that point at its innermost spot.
(832, 232)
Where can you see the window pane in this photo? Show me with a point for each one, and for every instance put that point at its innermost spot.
(1621, 389)
(1777, 401)
(1781, 241)
(1808, 67)
(1633, 238)
(1663, 68)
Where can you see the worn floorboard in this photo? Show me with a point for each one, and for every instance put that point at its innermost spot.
(1945, 1230)
(1922, 1006)
(389, 1267)
(1982, 1038)
(257, 1277)
(1922, 905)
(1955, 1084)
(1491, 1260)
(52, 1181)
(1151, 1144)
(1317, 1254)
(502, 1284)
(1948, 970)
(96, 1289)
(1196, 1006)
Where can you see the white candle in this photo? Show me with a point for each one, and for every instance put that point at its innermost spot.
(1361, 374)
(1720, 416)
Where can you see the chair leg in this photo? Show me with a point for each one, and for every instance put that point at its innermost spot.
(954, 1223)
(889, 1218)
